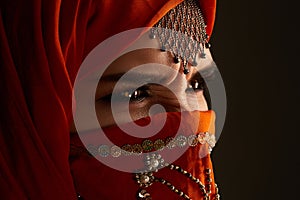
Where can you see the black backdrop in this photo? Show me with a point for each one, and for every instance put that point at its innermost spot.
(255, 45)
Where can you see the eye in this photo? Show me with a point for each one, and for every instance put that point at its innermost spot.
(136, 96)
(140, 94)
(196, 85)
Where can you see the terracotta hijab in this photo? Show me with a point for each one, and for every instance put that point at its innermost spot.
(42, 46)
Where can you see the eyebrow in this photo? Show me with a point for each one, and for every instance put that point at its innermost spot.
(132, 76)
(206, 72)
(112, 77)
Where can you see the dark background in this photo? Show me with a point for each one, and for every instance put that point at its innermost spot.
(255, 45)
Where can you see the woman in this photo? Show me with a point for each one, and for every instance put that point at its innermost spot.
(44, 46)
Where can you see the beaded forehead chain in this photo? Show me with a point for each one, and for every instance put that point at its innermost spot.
(182, 31)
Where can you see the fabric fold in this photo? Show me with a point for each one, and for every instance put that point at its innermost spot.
(43, 44)
(104, 168)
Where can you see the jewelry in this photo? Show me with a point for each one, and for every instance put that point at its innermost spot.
(153, 162)
(148, 145)
(146, 179)
(182, 31)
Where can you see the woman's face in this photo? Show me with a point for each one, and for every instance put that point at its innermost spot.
(164, 88)
(164, 84)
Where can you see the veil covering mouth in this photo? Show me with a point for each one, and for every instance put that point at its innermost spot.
(186, 146)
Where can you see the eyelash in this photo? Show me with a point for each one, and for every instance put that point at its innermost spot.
(140, 94)
(196, 85)
(137, 96)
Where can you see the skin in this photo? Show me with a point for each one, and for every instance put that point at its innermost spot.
(143, 98)
(140, 101)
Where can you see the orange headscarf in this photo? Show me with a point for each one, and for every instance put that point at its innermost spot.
(42, 45)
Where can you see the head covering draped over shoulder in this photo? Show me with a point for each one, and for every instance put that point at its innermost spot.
(42, 45)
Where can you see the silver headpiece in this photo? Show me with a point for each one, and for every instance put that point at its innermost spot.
(182, 31)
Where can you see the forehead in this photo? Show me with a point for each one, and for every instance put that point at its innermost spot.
(139, 57)
(145, 50)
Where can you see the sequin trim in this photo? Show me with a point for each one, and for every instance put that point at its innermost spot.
(147, 145)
